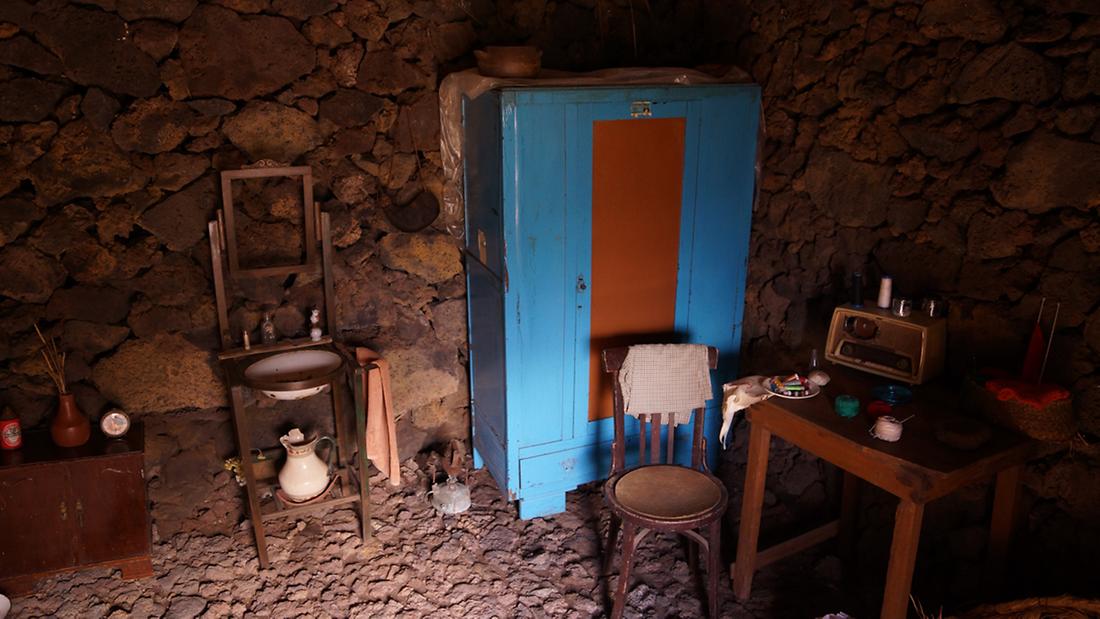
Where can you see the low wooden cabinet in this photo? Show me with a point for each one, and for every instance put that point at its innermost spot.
(65, 509)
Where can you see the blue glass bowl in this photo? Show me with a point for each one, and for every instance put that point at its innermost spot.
(893, 395)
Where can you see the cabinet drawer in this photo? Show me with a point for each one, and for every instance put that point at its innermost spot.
(564, 469)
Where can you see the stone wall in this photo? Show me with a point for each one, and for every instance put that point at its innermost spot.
(948, 144)
(116, 117)
(954, 145)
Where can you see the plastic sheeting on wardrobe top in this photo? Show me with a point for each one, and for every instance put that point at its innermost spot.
(471, 84)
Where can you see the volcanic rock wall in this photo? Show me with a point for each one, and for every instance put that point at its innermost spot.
(116, 117)
(950, 144)
(954, 145)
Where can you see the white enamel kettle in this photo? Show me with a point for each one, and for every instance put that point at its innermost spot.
(452, 497)
(304, 475)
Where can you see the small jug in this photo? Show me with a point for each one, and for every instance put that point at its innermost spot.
(304, 475)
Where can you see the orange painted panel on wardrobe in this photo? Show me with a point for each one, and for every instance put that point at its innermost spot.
(637, 187)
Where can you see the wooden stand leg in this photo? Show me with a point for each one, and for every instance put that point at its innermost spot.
(849, 517)
(621, 587)
(1005, 516)
(751, 504)
(343, 449)
(358, 389)
(244, 446)
(903, 556)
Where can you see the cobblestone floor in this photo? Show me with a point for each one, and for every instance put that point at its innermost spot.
(483, 563)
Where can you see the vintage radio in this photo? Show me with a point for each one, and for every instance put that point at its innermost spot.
(909, 349)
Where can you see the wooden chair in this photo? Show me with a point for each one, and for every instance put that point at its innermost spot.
(662, 497)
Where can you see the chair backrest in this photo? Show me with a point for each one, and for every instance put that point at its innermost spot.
(613, 359)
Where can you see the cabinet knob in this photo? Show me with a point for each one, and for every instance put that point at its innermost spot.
(80, 513)
(581, 285)
(64, 510)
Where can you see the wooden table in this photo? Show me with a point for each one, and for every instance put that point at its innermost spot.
(917, 469)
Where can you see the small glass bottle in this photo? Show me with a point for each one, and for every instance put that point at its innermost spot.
(315, 325)
(267, 329)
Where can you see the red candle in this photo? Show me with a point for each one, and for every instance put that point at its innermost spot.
(879, 408)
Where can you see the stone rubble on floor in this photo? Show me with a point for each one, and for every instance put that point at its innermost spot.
(483, 563)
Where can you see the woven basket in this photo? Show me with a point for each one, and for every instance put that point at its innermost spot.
(1054, 423)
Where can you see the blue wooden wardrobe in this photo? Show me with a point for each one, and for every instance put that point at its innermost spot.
(596, 217)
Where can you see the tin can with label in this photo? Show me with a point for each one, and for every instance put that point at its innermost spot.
(11, 434)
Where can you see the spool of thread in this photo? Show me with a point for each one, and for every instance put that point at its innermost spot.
(857, 289)
(846, 406)
(885, 291)
(887, 429)
(878, 408)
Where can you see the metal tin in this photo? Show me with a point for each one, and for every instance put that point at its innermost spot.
(11, 434)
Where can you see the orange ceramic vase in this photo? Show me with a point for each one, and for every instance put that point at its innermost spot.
(70, 428)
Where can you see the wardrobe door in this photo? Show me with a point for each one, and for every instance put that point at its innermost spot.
(639, 203)
(637, 184)
(540, 287)
(487, 384)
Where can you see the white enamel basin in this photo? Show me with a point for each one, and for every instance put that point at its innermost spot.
(291, 367)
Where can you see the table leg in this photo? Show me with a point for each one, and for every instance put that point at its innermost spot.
(1005, 515)
(849, 517)
(903, 556)
(751, 504)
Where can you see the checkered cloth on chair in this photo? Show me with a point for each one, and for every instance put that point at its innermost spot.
(665, 378)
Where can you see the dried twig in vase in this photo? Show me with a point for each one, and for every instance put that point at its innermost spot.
(55, 360)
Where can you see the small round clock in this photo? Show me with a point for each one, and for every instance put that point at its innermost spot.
(115, 423)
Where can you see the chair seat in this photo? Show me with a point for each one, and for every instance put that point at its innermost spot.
(667, 492)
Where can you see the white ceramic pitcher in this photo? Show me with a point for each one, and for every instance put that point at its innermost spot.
(304, 475)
